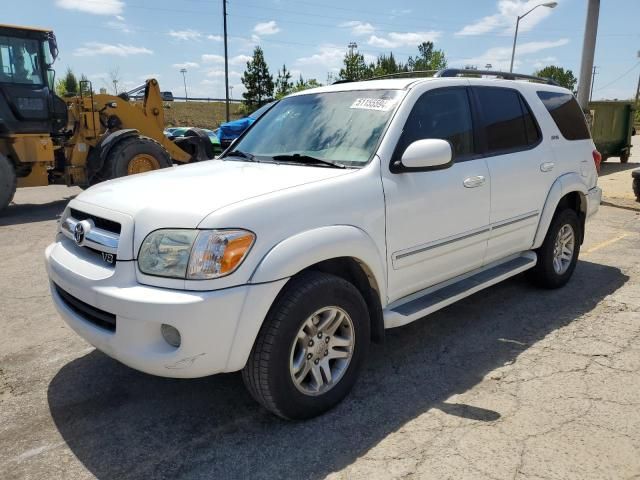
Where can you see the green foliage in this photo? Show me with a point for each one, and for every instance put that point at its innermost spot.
(355, 67)
(284, 85)
(564, 77)
(70, 82)
(258, 81)
(386, 65)
(428, 58)
(303, 84)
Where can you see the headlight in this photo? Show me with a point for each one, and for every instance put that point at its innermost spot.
(194, 254)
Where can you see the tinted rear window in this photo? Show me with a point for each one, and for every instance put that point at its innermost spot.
(507, 120)
(566, 112)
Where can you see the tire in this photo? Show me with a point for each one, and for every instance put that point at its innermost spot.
(134, 155)
(624, 158)
(268, 373)
(8, 182)
(636, 188)
(545, 274)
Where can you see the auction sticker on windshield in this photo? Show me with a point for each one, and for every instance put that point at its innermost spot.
(381, 104)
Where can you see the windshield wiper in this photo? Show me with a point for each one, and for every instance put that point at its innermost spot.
(239, 153)
(297, 158)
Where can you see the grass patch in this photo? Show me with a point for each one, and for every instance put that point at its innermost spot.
(199, 114)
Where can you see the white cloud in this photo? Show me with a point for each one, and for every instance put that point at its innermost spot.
(395, 39)
(185, 65)
(188, 34)
(266, 28)
(220, 73)
(236, 60)
(102, 7)
(504, 20)
(120, 24)
(358, 28)
(215, 38)
(120, 50)
(397, 12)
(500, 57)
(328, 56)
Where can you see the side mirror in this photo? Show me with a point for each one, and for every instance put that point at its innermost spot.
(425, 155)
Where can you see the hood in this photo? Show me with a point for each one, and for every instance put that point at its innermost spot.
(182, 196)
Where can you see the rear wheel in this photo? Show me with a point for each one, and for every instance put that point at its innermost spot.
(558, 255)
(8, 182)
(624, 158)
(135, 155)
(311, 346)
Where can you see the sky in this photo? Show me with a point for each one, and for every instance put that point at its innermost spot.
(156, 38)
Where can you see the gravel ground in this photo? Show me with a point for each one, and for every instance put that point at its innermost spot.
(514, 382)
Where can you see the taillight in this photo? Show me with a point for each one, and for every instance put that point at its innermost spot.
(597, 159)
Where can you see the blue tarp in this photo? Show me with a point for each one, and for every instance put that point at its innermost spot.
(232, 130)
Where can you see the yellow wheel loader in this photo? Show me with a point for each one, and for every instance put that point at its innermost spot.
(81, 139)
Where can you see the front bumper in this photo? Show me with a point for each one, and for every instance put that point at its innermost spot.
(217, 328)
(594, 197)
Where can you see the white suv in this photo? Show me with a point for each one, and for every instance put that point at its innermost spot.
(343, 211)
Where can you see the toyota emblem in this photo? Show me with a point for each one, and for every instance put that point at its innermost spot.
(79, 233)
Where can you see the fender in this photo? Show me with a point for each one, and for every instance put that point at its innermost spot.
(567, 183)
(304, 249)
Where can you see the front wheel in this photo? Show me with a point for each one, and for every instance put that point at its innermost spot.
(558, 255)
(135, 155)
(8, 182)
(311, 346)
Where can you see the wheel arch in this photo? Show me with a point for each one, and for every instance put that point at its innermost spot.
(342, 250)
(568, 191)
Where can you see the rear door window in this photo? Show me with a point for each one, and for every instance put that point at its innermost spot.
(507, 121)
(565, 111)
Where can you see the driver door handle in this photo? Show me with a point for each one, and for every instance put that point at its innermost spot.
(475, 181)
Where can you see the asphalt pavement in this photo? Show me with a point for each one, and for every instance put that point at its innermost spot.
(514, 382)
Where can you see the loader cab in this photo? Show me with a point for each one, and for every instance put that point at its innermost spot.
(27, 99)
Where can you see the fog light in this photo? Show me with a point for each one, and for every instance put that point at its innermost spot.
(171, 335)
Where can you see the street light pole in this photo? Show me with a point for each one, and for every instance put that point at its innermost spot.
(183, 71)
(226, 59)
(520, 17)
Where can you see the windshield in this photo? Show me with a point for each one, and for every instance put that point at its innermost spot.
(259, 112)
(19, 61)
(338, 127)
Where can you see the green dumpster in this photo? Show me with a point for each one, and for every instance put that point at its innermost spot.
(612, 124)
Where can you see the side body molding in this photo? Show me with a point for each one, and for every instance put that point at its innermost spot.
(567, 183)
(312, 246)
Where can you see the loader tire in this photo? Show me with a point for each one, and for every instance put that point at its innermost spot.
(135, 155)
(8, 182)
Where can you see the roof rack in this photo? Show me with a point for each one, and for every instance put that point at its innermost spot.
(454, 72)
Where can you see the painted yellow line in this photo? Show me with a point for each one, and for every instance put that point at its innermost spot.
(606, 243)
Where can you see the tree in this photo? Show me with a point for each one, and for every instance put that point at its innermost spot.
(303, 84)
(114, 79)
(386, 65)
(428, 58)
(284, 85)
(355, 67)
(564, 77)
(67, 85)
(258, 81)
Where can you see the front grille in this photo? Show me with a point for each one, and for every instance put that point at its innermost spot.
(93, 315)
(103, 223)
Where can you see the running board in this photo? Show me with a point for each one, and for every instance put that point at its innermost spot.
(421, 304)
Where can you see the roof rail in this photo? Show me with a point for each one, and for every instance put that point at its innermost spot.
(454, 72)
(415, 73)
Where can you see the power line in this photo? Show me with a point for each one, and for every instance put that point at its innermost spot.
(619, 78)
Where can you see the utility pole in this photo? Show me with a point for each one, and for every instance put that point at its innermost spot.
(352, 46)
(638, 88)
(588, 52)
(593, 81)
(226, 59)
(183, 71)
